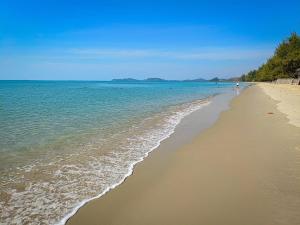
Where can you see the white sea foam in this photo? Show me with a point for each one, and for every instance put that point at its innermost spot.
(156, 137)
(68, 184)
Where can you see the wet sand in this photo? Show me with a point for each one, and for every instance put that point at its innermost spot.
(245, 169)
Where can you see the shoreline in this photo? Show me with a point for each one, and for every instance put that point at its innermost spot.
(219, 102)
(92, 145)
(176, 187)
(208, 114)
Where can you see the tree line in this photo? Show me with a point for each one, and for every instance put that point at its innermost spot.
(282, 64)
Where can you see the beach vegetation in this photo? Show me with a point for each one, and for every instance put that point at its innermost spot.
(283, 64)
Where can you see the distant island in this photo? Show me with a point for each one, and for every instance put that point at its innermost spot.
(155, 79)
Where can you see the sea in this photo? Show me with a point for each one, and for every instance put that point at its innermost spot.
(64, 143)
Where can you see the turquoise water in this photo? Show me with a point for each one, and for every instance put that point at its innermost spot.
(64, 142)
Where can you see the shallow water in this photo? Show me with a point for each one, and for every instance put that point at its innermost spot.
(62, 143)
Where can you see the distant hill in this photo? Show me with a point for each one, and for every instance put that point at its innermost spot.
(156, 79)
(215, 79)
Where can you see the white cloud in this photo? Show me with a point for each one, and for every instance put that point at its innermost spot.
(199, 54)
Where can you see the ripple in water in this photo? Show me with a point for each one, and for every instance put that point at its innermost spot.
(51, 189)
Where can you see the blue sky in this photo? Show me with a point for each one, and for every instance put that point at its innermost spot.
(101, 40)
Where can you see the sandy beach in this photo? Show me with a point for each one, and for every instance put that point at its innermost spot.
(245, 169)
(288, 98)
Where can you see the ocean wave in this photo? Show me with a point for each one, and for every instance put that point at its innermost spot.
(51, 193)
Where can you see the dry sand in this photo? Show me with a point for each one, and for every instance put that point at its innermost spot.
(243, 170)
(288, 97)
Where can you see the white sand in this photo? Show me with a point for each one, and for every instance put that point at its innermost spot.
(288, 97)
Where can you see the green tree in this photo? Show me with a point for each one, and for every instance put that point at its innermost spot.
(282, 64)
